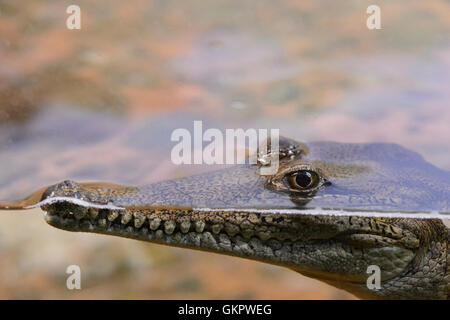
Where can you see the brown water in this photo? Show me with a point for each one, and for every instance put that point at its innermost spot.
(100, 103)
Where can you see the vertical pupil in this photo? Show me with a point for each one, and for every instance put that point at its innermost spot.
(303, 179)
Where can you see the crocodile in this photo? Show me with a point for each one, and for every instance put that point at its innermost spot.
(331, 211)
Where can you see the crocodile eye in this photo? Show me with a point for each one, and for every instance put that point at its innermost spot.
(303, 180)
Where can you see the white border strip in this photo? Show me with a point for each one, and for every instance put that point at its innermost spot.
(316, 211)
(334, 212)
(75, 201)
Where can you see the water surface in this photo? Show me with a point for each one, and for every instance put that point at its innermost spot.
(99, 104)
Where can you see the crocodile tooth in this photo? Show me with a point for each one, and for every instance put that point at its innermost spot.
(264, 235)
(216, 228)
(154, 224)
(185, 226)
(194, 239)
(86, 224)
(199, 226)
(247, 233)
(80, 213)
(112, 215)
(246, 225)
(102, 223)
(129, 229)
(176, 238)
(126, 217)
(139, 220)
(243, 247)
(268, 219)
(231, 229)
(93, 213)
(208, 240)
(216, 219)
(253, 218)
(169, 226)
(144, 232)
(159, 234)
(224, 242)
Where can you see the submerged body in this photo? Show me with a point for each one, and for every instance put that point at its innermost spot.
(331, 211)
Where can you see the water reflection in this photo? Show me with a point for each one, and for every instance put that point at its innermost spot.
(99, 104)
(105, 90)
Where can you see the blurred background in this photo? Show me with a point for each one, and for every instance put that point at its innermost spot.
(100, 103)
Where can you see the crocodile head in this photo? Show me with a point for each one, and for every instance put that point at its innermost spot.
(332, 211)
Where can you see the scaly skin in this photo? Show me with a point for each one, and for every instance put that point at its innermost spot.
(411, 253)
(240, 213)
